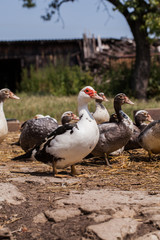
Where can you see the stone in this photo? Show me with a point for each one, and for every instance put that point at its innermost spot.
(150, 211)
(125, 211)
(155, 219)
(40, 218)
(62, 214)
(10, 194)
(150, 236)
(114, 229)
(95, 200)
(101, 218)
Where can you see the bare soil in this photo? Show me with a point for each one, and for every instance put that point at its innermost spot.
(40, 191)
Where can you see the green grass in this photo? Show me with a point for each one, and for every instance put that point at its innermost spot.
(30, 105)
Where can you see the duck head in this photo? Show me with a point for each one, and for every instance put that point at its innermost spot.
(5, 93)
(121, 98)
(87, 94)
(68, 117)
(142, 116)
(101, 94)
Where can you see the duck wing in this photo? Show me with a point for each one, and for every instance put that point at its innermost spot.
(35, 130)
(40, 150)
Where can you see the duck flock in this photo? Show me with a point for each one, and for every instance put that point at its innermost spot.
(90, 135)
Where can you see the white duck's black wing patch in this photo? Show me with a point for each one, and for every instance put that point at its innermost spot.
(62, 129)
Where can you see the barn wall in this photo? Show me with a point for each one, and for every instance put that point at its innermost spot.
(16, 55)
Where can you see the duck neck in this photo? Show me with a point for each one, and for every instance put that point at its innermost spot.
(117, 107)
(1, 108)
(3, 123)
(83, 110)
(2, 115)
(138, 122)
(99, 105)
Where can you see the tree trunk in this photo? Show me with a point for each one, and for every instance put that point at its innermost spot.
(142, 63)
(142, 67)
(140, 34)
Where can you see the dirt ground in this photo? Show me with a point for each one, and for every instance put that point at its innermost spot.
(31, 194)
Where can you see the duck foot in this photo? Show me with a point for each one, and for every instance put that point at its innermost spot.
(107, 161)
(150, 156)
(54, 168)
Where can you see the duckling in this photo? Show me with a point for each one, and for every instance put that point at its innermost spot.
(5, 93)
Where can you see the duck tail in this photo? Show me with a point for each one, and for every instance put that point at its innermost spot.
(25, 156)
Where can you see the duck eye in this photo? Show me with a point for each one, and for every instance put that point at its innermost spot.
(87, 90)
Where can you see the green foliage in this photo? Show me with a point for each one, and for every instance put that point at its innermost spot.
(58, 80)
(66, 81)
(153, 89)
(30, 104)
(147, 13)
(116, 79)
(29, 3)
(153, 23)
(134, 10)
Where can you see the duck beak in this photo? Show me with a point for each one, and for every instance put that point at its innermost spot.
(127, 100)
(105, 99)
(13, 96)
(149, 118)
(96, 96)
(75, 117)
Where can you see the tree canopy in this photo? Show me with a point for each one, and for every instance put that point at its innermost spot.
(143, 17)
(148, 10)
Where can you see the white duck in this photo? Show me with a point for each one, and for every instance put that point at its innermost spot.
(5, 93)
(69, 144)
(101, 113)
(35, 130)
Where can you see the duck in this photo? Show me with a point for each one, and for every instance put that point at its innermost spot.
(101, 114)
(141, 119)
(149, 138)
(42, 116)
(69, 144)
(35, 130)
(114, 135)
(68, 117)
(5, 93)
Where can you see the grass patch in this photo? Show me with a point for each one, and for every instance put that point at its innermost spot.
(30, 105)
